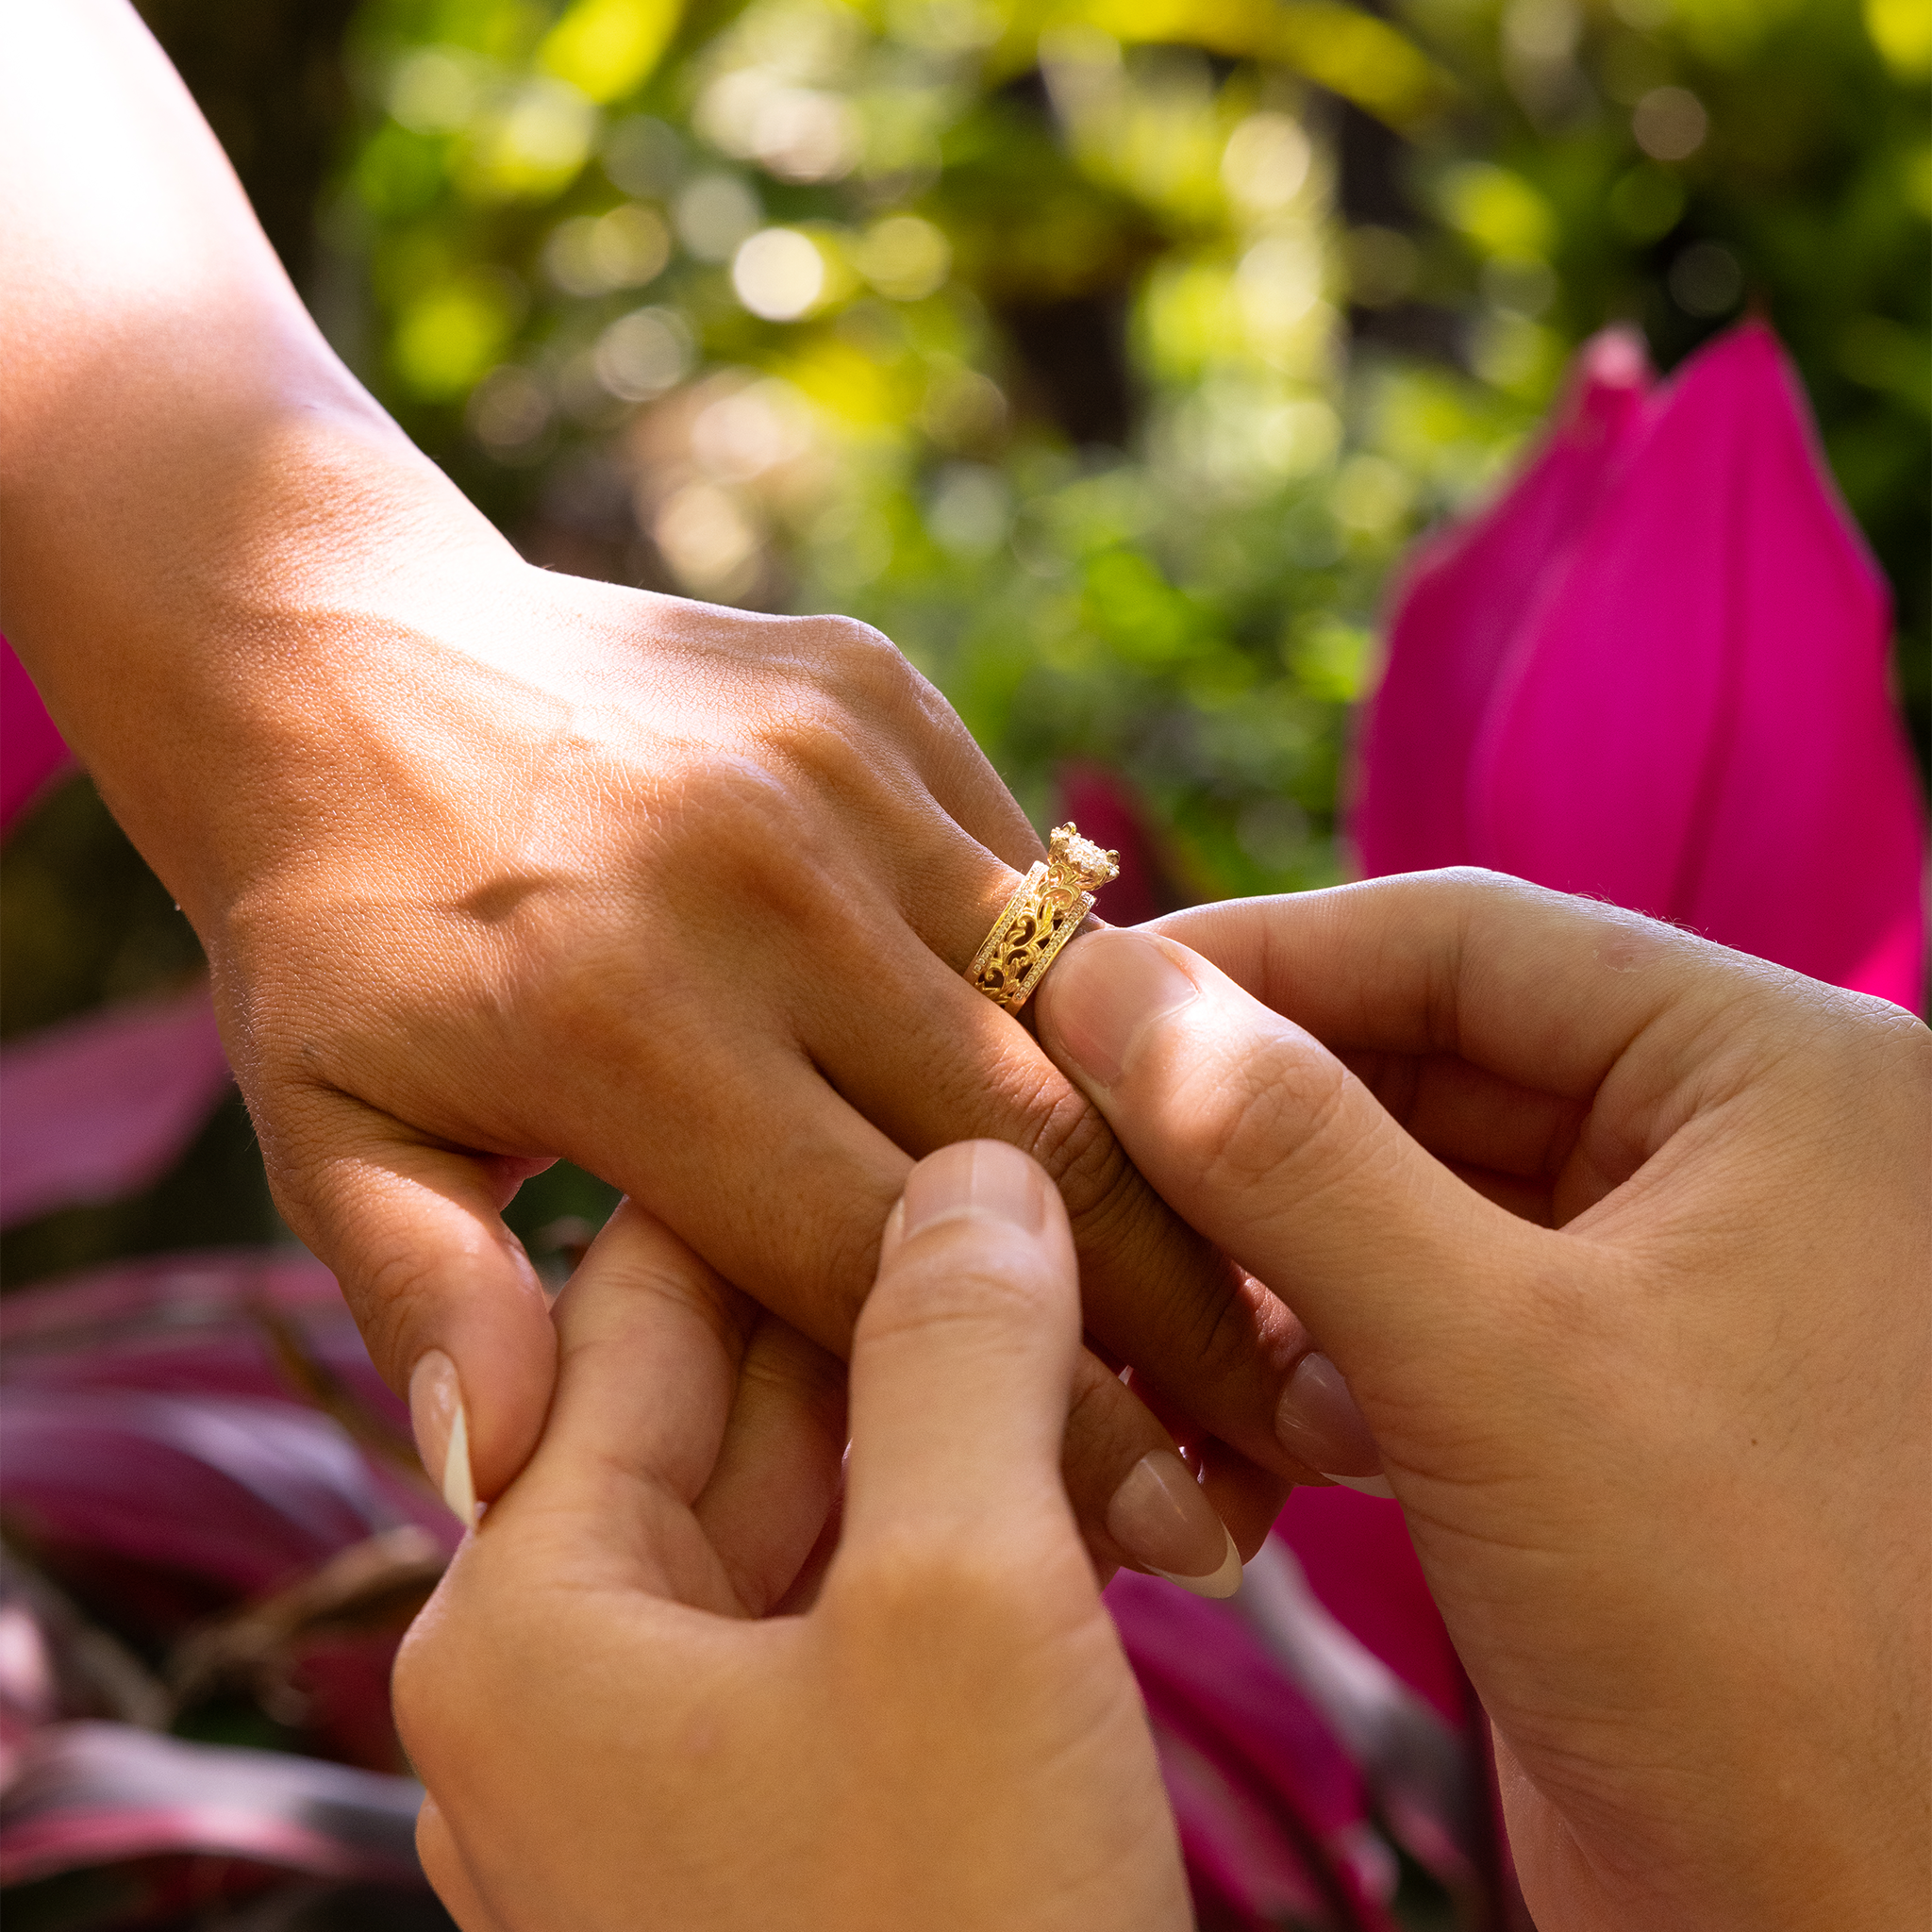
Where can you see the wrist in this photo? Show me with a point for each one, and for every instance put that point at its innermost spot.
(204, 655)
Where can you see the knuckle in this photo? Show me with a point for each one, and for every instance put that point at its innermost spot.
(1070, 1137)
(445, 1685)
(1279, 1119)
(1124, 1230)
(851, 681)
(415, 1680)
(848, 651)
(1472, 881)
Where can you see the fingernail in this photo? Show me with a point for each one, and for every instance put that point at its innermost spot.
(1318, 1420)
(976, 1177)
(1161, 1517)
(1366, 1485)
(443, 1431)
(1106, 988)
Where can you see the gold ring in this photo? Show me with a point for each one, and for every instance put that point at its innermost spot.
(1045, 911)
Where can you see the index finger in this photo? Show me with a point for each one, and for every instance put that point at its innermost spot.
(649, 1343)
(1538, 988)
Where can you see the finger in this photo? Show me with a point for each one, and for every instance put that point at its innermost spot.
(811, 1245)
(448, 1872)
(649, 1345)
(778, 1471)
(931, 1061)
(450, 1308)
(1469, 1116)
(1267, 1143)
(803, 1592)
(963, 1361)
(965, 787)
(769, 1174)
(964, 1367)
(1134, 1495)
(1541, 989)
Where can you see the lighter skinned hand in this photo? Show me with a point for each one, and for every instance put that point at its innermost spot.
(1623, 1243)
(949, 1736)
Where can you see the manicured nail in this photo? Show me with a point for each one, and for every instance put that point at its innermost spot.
(443, 1431)
(1161, 1518)
(976, 1177)
(1318, 1420)
(1105, 990)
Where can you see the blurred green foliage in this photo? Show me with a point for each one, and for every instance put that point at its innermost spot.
(1106, 352)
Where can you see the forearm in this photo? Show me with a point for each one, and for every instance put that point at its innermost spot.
(196, 495)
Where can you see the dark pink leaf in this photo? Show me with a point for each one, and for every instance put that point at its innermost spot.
(54, 1665)
(244, 1493)
(1110, 810)
(190, 1324)
(32, 752)
(1243, 1876)
(1355, 1553)
(1656, 672)
(1422, 1770)
(1699, 726)
(1273, 1808)
(1461, 605)
(101, 1105)
(99, 1793)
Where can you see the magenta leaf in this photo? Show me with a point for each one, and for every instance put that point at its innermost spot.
(1361, 1567)
(1273, 1810)
(1656, 672)
(1109, 810)
(97, 1794)
(244, 1493)
(1460, 604)
(32, 752)
(149, 1420)
(98, 1107)
(196, 1324)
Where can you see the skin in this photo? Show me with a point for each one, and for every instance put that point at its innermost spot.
(1624, 1246)
(1623, 1241)
(494, 865)
(883, 1759)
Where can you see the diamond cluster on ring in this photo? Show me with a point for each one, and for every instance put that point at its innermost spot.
(1092, 867)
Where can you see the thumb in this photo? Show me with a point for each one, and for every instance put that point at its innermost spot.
(1259, 1137)
(450, 1308)
(962, 1361)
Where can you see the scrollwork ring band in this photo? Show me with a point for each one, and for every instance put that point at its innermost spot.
(1046, 910)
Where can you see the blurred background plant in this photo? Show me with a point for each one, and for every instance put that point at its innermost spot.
(1106, 355)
